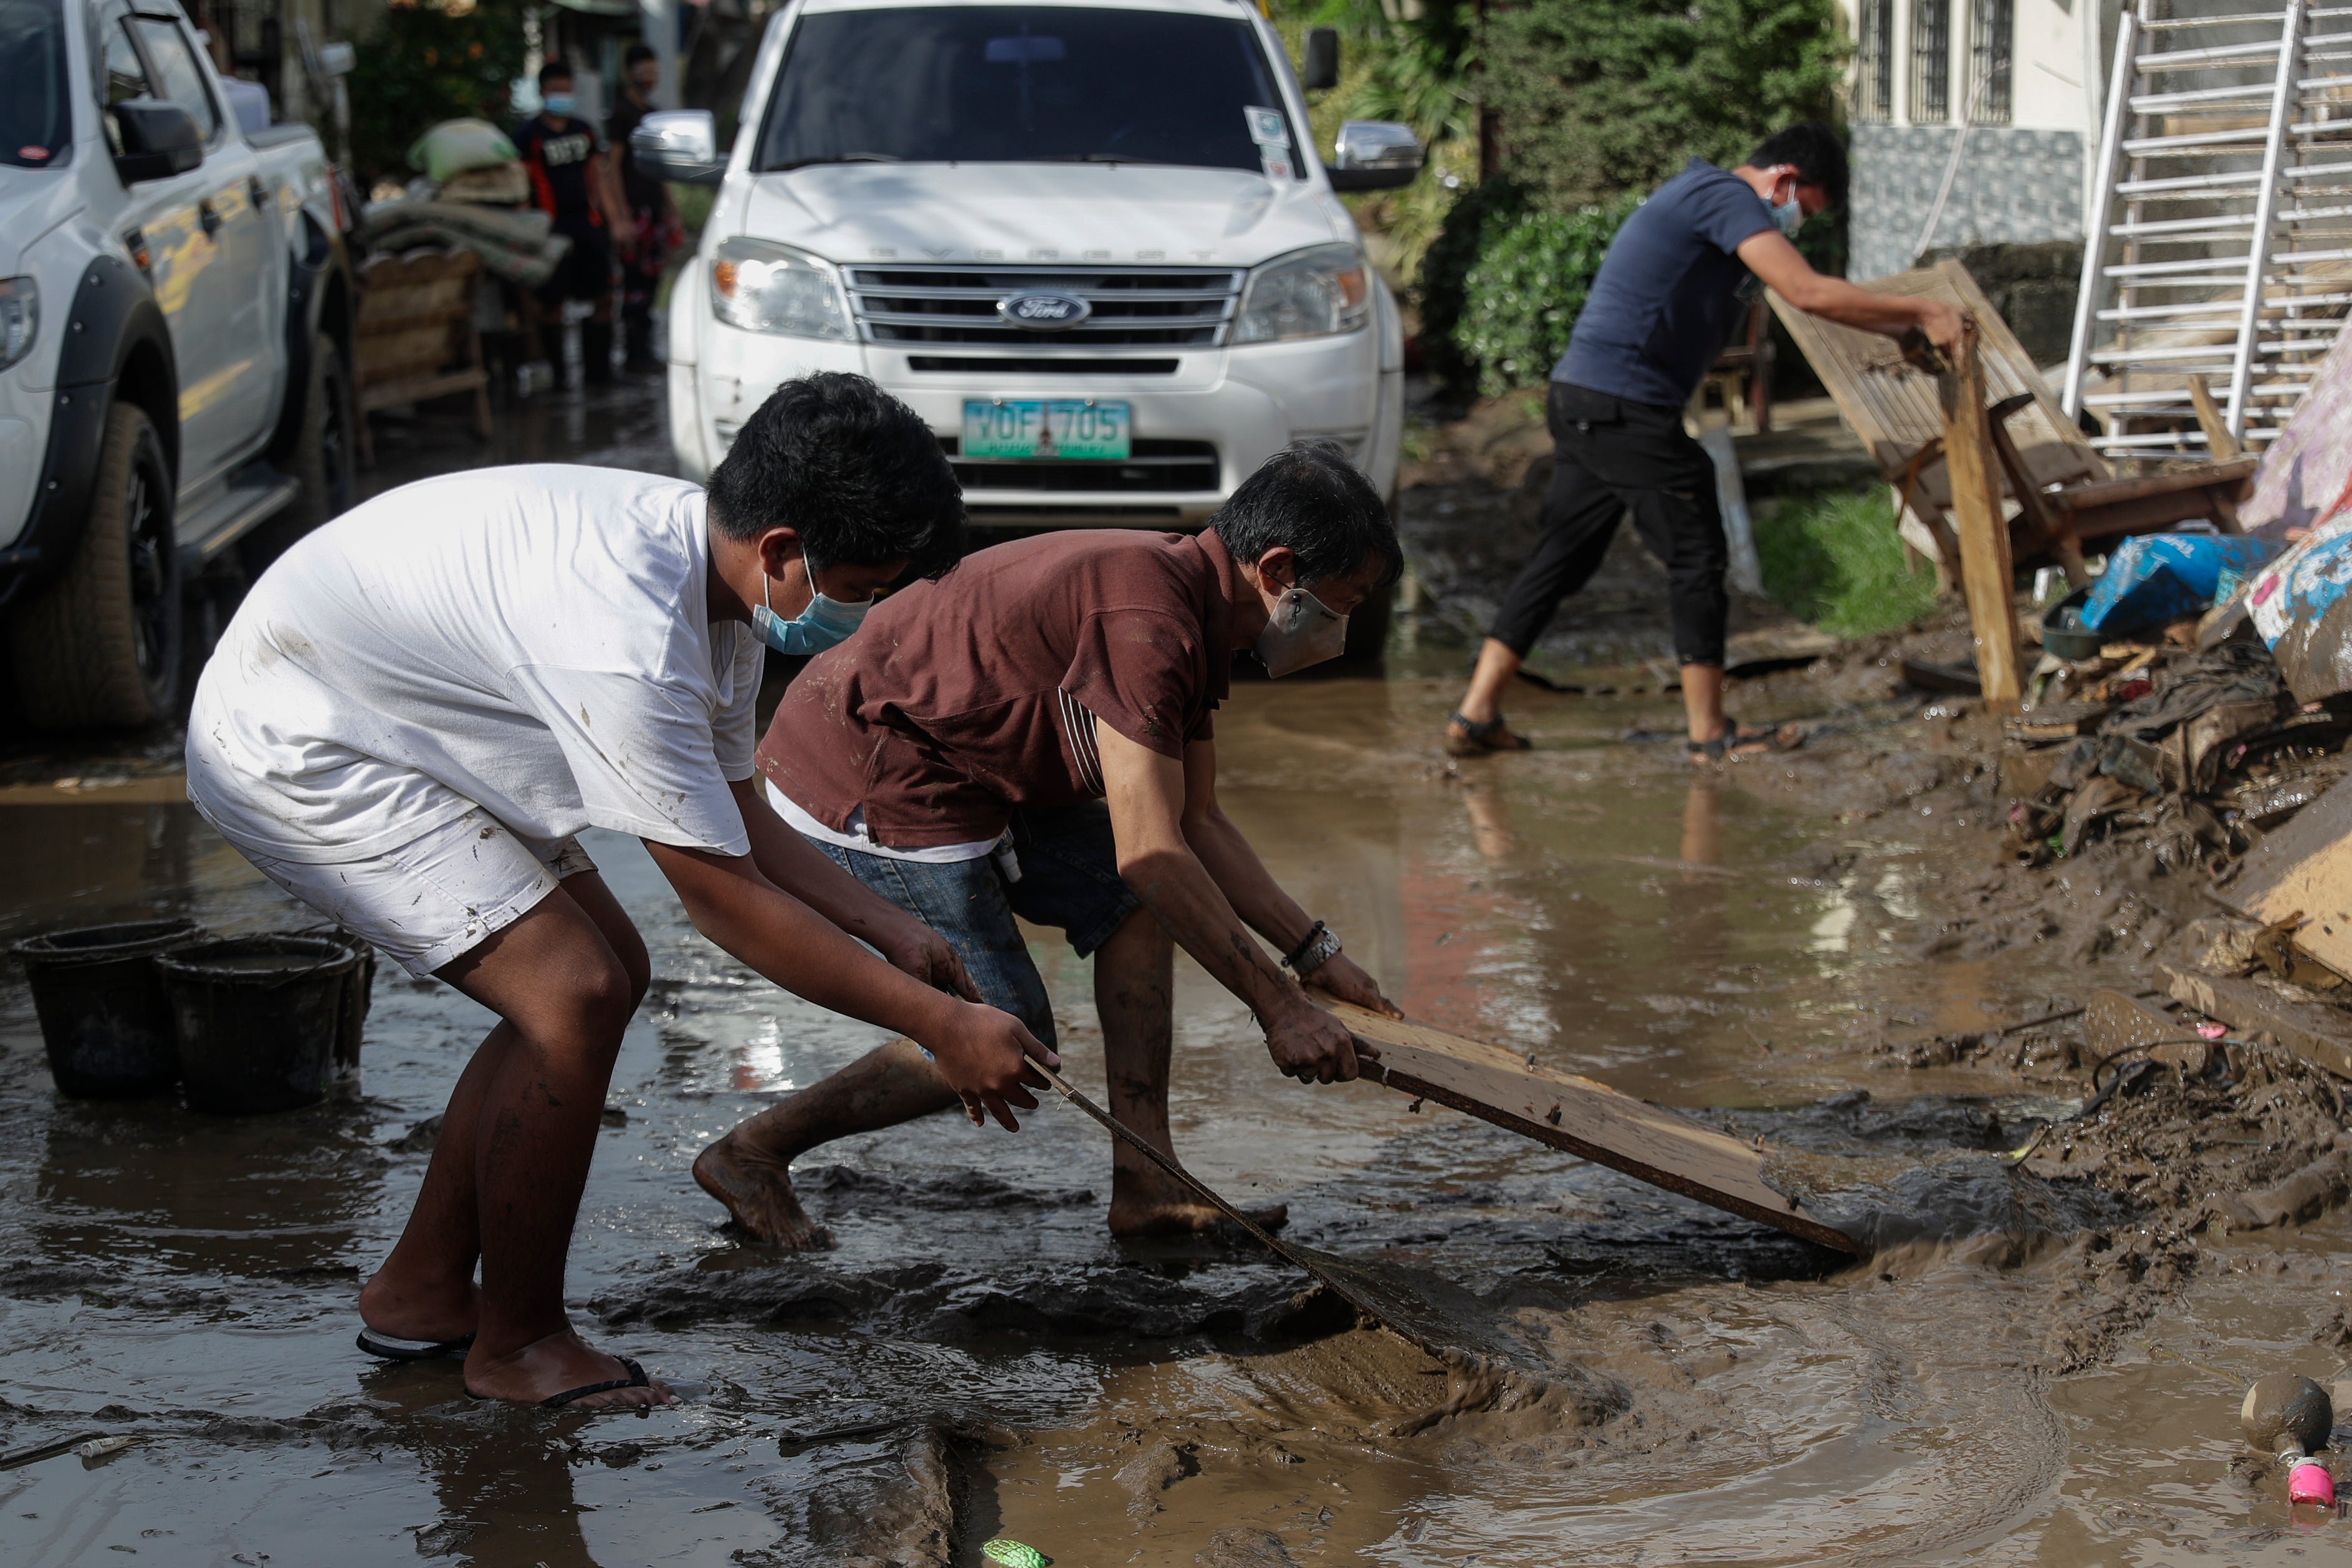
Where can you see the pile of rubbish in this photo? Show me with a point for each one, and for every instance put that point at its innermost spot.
(470, 195)
(2201, 752)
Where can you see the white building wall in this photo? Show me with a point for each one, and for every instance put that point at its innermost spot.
(2021, 182)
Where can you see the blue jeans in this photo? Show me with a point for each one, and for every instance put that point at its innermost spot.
(1069, 880)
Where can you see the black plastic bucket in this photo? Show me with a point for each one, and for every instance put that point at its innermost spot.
(104, 1017)
(259, 1019)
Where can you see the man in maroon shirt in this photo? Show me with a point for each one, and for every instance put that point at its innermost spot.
(1031, 735)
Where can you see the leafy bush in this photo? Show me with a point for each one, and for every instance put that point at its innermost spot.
(1832, 558)
(424, 65)
(1595, 97)
(1522, 296)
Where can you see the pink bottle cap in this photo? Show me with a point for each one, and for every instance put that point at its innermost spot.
(2308, 1482)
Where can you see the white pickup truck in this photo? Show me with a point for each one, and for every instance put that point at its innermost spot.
(1087, 240)
(174, 320)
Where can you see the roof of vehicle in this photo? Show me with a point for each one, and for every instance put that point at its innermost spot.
(1195, 7)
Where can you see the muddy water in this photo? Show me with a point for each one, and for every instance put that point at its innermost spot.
(977, 1359)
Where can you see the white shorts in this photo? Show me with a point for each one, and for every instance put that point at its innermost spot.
(436, 897)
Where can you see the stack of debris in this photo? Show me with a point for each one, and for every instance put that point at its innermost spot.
(2201, 751)
(472, 194)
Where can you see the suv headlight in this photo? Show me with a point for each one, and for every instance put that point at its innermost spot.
(1307, 294)
(764, 288)
(20, 318)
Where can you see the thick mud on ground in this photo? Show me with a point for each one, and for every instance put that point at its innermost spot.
(2033, 1370)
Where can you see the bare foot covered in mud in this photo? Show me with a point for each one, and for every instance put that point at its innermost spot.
(757, 1189)
(557, 1364)
(1140, 1209)
(429, 1313)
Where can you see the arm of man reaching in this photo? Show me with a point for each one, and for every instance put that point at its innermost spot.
(1186, 884)
(731, 901)
(1782, 270)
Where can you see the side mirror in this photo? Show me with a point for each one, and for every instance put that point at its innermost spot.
(1373, 155)
(159, 139)
(679, 145)
(1322, 70)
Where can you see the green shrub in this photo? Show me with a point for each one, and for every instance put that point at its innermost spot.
(1522, 296)
(1833, 559)
(421, 66)
(1595, 97)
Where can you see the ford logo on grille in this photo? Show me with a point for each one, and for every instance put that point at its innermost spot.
(1043, 312)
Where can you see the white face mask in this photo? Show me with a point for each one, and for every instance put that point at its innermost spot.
(1301, 631)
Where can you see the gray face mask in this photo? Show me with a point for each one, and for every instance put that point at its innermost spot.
(1301, 631)
(1787, 217)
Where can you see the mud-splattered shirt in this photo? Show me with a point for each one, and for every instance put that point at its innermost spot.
(533, 641)
(962, 698)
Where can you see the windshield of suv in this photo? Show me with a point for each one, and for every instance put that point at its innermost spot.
(1002, 84)
(35, 115)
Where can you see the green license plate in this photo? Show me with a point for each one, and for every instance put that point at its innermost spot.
(1045, 427)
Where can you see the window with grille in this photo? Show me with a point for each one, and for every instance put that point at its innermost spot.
(1931, 61)
(1874, 65)
(1991, 25)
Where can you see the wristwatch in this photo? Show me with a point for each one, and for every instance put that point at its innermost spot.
(1322, 944)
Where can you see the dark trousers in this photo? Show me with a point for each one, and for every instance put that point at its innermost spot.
(1612, 456)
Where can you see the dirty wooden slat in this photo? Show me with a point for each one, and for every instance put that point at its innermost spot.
(1986, 574)
(1584, 1118)
(2317, 1033)
(2306, 868)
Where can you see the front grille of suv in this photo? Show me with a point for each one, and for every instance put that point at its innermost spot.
(1157, 465)
(1170, 307)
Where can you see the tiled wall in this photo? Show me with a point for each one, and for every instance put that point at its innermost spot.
(2014, 185)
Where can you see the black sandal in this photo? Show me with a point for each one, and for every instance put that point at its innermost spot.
(637, 1379)
(391, 1347)
(1787, 738)
(1478, 739)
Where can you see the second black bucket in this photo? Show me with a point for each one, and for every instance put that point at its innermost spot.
(258, 1019)
(104, 1018)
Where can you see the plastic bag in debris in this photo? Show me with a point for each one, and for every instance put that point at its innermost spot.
(455, 146)
(2159, 577)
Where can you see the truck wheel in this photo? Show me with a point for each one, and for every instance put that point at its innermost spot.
(322, 462)
(100, 645)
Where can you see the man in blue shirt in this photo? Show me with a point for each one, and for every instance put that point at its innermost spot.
(1658, 315)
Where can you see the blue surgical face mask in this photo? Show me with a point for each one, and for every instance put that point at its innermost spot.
(824, 623)
(561, 104)
(1789, 216)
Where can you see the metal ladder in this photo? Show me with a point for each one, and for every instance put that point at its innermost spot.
(2221, 242)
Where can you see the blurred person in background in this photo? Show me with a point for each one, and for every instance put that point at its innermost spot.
(652, 215)
(572, 181)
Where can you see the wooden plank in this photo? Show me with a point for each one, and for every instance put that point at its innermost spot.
(2306, 868)
(1583, 1117)
(1986, 576)
(2114, 1022)
(392, 394)
(2317, 1033)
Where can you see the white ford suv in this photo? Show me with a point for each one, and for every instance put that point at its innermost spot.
(1086, 239)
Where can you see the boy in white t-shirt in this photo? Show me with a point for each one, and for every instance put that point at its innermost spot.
(420, 704)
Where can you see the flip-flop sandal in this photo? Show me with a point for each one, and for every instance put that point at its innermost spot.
(391, 1347)
(1787, 738)
(637, 1379)
(1478, 739)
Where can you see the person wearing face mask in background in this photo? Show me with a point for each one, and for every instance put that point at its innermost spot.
(1659, 312)
(645, 257)
(573, 181)
(1031, 736)
(418, 707)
